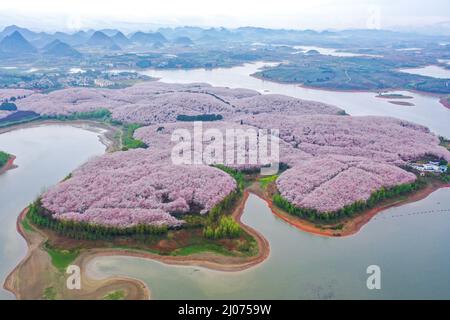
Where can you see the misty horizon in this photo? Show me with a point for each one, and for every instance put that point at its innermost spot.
(137, 15)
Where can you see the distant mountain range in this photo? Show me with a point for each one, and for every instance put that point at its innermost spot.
(15, 43)
(58, 48)
(183, 41)
(101, 40)
(149, 38)
(120, 39)
(15, 39)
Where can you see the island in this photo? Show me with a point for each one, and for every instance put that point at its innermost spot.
(336, 172)
(401, 103)
(352, 73)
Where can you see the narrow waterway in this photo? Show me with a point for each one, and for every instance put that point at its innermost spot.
(45, 155)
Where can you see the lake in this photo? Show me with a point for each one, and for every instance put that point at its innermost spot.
(45, 155)
(426, 110)
(408, 243)
(429, 71)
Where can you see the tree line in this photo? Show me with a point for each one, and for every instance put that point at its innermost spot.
(42, 217)
(350, 210)
(218, 224)
(99, 114)
(200, 117)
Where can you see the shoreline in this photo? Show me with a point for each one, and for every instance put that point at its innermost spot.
(135, 288)
(351, 225)
(210, 260)
(106, 137)
(9, 164)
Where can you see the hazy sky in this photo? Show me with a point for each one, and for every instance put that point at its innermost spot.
(295, 14)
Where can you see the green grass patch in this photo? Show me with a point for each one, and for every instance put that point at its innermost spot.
(26, 224)
(4, 157)
(115, 295)
(265, 181)
(49, 294)
(61, 259)
(101, 114)
(128, 142)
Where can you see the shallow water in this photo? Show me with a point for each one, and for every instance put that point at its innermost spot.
(410, 246)
(426, 110)
(45, 155)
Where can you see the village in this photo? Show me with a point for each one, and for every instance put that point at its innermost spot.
(437, 167)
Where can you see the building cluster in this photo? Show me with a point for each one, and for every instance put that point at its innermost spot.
(431, 167)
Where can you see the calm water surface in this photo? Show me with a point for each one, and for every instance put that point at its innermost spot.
(409, 245)
(45, 155)
(426, 110)
(429, 71)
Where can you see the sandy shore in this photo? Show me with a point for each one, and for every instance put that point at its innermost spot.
(35, 273)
